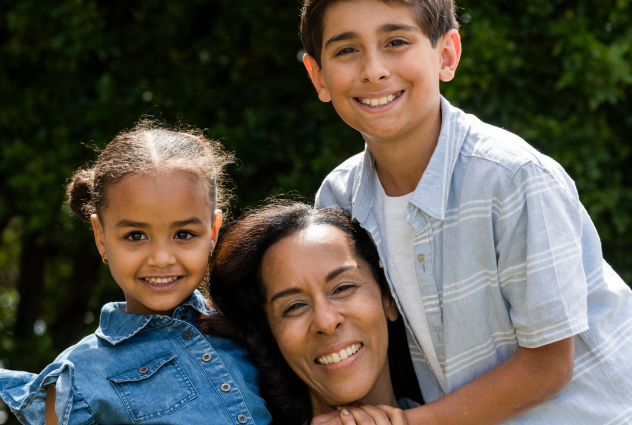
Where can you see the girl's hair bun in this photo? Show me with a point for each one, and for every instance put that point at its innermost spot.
(79, 193)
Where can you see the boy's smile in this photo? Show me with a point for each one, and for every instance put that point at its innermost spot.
(380, 70)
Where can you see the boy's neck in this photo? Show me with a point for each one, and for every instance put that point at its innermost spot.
(401, 162)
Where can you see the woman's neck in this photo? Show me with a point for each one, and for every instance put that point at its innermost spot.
(380, 393)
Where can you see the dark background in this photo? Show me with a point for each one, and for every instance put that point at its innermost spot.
(76, 72)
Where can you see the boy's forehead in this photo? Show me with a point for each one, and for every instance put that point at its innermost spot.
(366, 15)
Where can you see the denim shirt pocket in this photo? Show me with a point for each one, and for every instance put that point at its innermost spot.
(153, 387)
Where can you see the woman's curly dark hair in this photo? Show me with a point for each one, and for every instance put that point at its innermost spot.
(238, 292)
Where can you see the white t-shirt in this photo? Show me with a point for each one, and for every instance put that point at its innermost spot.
(399, 238)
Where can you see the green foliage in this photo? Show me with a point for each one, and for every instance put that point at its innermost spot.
(76, 72)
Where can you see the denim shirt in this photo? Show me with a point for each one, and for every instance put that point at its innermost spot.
(150, 369)
(505, 256)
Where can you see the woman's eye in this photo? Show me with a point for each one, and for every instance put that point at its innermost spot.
(136, 236)
(345, 51)
(292, 308)
(183, 235)
(344, 289)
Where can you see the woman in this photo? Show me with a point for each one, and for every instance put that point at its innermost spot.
(301, 289)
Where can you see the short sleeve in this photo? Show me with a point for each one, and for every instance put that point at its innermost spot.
(539, 251)
(25, 394)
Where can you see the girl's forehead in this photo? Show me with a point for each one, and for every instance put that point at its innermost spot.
(159, 195)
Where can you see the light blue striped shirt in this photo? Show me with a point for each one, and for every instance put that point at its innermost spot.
(506, 256)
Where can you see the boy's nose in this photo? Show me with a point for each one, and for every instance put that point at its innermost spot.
(374, 68)
(326, 319)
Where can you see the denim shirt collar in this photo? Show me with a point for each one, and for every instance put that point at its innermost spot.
(431, 194)
(116, 325)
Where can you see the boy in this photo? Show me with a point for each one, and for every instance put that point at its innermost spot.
(512, 314)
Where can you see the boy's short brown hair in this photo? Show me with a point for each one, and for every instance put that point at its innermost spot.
(434, 17)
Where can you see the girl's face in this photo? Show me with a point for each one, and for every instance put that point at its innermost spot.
(329, 317)
(157, 233)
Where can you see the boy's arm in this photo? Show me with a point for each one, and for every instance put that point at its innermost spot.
(528, 378)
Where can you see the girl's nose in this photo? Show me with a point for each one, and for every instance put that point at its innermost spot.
(326, 318)
(374, 68)
(161, 257)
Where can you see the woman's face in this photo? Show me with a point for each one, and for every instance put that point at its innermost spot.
(328, 316)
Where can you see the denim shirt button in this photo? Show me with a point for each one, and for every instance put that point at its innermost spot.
(187, 335)
(225, 387)
(206, 357)
(184, 314)
(143, 370)
(242, 419)
(421, 258)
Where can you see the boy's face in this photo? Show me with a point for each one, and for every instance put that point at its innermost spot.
(380, 70)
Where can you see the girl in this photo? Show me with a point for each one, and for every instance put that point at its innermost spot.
(152, 199)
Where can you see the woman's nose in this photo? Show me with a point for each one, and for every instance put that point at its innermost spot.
(161, 257)
(374, 68)
(326, 318)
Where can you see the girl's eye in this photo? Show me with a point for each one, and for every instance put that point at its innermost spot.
(136, 236)
(345, 51)
(183, 235)
(397, 42)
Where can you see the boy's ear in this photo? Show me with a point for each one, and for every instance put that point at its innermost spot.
(99, 237)
(450, 45)
(316, 74)
(217, 223)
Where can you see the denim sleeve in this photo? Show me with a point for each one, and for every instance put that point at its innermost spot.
(25, 394)
(538, 246)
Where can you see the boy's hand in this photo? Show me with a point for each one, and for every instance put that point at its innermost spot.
(362, 414)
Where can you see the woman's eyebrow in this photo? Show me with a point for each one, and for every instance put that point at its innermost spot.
(285, 293)
(335, 273)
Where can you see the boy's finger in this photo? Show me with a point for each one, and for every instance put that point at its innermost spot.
(368, 415)
(395, 415)
(331, 418)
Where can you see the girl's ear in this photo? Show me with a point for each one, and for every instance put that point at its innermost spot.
(316, 74)
(99, 237)
(215, 229)
(390, 308)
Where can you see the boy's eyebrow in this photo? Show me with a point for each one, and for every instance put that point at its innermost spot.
(347, 35)
(396, 27)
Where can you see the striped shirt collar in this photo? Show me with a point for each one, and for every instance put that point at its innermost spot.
(431, 194)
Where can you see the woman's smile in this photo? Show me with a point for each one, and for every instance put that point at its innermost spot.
(349, 352)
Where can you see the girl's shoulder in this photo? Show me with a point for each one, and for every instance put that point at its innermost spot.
(136, 368)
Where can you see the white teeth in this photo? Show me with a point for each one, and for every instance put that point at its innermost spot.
(159, 280)
(343, 354)
(380, 101)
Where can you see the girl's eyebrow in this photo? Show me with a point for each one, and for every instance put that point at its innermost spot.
(129, 223)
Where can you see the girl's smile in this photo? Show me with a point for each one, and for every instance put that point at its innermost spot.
(157, 232)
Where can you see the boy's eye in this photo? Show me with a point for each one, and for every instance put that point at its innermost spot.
(345, 51)
(136, 236)
(397, 42)
(183, 235)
